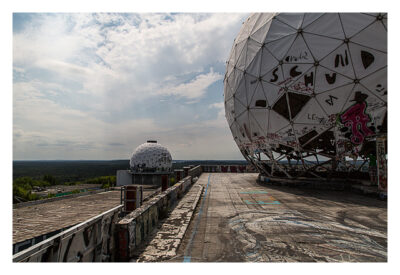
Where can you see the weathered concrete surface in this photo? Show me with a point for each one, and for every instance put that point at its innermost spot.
(136, 227)
(90, 241)
(165, 242)
(36, 220)
(244, 221)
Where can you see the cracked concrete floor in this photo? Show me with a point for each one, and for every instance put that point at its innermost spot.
(243, 221)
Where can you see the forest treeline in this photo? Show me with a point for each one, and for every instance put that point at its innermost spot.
(23, 187)
(30, 174)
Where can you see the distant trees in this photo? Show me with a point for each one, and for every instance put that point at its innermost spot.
(50, 179)
(24, 187)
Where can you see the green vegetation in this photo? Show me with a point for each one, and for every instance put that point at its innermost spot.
(29, 176)
(23, 187)
(68, 171)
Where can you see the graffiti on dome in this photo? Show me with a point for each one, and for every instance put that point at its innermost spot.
(311, 92)
(356, 119)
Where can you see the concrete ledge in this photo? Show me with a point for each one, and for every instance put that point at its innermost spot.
(138, 225)
(166, 242)
(90, 241)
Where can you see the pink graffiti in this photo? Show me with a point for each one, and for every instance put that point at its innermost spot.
(301, 86)
(356, 118)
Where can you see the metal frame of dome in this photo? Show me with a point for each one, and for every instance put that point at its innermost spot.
(308, 87)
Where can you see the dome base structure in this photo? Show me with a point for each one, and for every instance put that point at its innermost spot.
(149, 162)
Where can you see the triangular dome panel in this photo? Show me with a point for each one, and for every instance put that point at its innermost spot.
(311, 113)
(260, 33)
(326, 80)
(298, 52)
(339, 61)
(273, 92)
(320, 46)
(374, 36)
(310, 18)
(332, 101)
(366, 60)
(294, 20)
(326, 25)
(355, 22)
(268, 62)
(258, 99)
(377, 83)
(280, 47)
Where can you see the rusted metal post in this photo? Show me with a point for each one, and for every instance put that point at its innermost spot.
(164, 182)
(130, 198)
(133, 197)
(178, 173)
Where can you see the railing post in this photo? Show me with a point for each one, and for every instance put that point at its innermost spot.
(164, 182)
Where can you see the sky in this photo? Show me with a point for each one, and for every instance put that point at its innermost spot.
(97, 85)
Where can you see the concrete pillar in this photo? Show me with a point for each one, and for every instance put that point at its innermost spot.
(164, 182)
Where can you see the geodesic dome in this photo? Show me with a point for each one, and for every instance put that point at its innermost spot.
(307, 87)
(151, 157)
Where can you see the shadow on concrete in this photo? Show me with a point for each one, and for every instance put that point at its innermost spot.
(342, 196)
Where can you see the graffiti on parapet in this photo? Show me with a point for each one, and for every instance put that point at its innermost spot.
(90, 241)
(355, 119)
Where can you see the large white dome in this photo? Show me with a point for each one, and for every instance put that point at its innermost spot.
(151, 157)
(307, 87)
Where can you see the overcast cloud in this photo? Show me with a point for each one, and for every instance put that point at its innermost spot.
(95, 86)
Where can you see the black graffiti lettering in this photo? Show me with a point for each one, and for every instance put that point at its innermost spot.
(275, 76)
(290, 58)
(330, 78)
(261, 103)
(380, 89)
(309, 79)
(343, 62)
(367, 59)
(293, 72)
(330, 100)
(301, 56)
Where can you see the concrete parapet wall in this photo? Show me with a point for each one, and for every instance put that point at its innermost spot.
(90, 241)
(133, 229)
(195, 171)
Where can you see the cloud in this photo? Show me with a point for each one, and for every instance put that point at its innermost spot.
(195, 89)
(86, 79)
(218, 105)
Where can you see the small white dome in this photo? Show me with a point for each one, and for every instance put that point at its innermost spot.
(151, 157)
